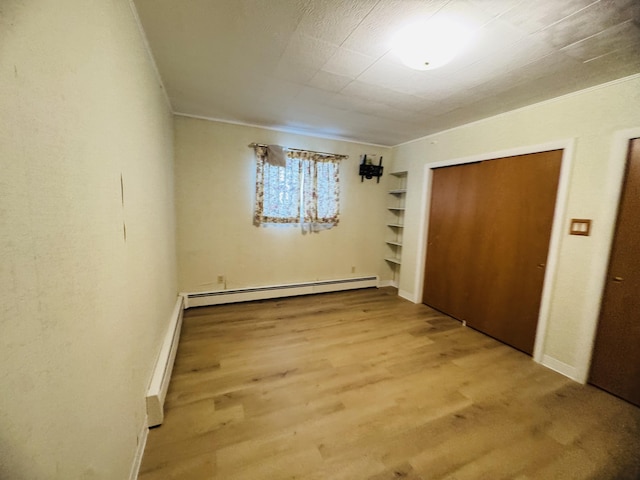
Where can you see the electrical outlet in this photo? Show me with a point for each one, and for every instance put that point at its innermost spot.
(220, 278)
(353, 269)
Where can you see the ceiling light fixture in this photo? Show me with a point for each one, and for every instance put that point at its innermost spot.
(430, 44)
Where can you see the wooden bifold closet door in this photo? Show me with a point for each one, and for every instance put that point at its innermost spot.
(489, 230)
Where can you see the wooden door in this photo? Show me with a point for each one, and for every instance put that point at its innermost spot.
(451, 221)
(615, 365)
(488, 246)
(517, 206)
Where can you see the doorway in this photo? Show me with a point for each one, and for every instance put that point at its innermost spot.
(615, 365)
(490, 226)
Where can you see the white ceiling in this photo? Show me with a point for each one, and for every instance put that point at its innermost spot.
(324, 67)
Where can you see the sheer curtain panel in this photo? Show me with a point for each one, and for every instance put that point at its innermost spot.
(305, 191)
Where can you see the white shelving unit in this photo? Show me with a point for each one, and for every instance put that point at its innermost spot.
(395, 222)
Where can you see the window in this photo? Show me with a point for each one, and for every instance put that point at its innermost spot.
(302, 189)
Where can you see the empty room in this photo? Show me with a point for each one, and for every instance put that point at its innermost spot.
(320, 239)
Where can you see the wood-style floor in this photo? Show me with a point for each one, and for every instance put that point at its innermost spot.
(366, 385)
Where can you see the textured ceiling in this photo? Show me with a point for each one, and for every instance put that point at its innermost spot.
(324, 67)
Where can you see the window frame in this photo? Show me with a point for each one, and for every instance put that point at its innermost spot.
(317, 187)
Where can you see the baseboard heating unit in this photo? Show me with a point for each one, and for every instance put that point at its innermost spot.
(276, 291)
(164, 366)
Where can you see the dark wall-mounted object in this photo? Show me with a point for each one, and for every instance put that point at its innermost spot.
(368, 170)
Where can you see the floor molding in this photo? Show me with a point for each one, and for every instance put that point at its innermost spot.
(561, 367)
(142, 443)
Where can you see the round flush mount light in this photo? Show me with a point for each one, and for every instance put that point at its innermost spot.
(430, 44)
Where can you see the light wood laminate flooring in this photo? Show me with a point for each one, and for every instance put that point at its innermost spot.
(365, 385)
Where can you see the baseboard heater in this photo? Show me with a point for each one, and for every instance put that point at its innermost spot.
(164, 366)
(276, 291)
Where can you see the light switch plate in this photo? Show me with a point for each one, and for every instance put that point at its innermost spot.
(580, 226)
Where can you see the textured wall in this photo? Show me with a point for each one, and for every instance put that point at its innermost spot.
(215, 191)
(83, 308)
(591, 118)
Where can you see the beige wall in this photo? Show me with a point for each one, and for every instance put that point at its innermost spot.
(589, 119)
(83, 310)
(215, 191)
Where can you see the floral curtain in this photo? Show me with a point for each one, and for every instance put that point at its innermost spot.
(306, 191)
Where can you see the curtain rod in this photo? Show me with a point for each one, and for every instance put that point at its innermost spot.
(254, 145)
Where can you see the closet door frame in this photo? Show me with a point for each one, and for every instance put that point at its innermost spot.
(557, 229)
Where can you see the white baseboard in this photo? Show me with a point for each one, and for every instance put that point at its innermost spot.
(220, 297)
(407, 296)
(387, 283)
(164, 366)
(561, 367)
(142, 443)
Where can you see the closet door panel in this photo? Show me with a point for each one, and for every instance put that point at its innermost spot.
(451, 223)
(516, 203)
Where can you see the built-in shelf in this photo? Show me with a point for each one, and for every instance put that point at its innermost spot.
(395, 222)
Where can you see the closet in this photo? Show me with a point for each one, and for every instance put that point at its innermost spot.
(489, 231)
